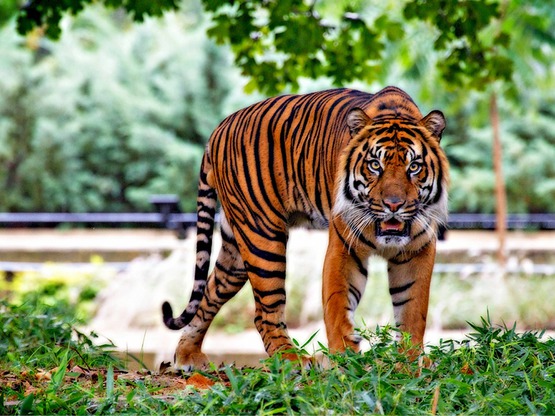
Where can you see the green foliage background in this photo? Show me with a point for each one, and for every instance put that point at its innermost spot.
(109, 114)
(115, 110)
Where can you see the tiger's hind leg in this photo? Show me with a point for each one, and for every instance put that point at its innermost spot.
(227, 278)
(264, 256)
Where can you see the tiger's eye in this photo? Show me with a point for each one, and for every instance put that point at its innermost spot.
(415, 167)
(375, 165)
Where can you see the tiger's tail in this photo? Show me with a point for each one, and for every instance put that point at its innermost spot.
(206, 211)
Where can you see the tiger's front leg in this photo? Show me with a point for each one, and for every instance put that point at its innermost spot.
(344, 281)
(410, 276)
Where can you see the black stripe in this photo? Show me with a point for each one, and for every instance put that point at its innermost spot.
(263, 293)
(399, 262)
(271, 307)
(400, 289)
(229, 239)
(361, 268)
(206, 193)
(234, 272)
(258, 320)
(402, 302)
(264, 273)
(355, 292)
(258, 252)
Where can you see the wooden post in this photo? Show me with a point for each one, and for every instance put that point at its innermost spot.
(500, 191)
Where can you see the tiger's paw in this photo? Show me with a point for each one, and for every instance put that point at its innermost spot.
(188, 363)
(303, 361)
(426, 362)
(344, 343)
(352, 342)
(188, 359)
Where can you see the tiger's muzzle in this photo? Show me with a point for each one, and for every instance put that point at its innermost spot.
(392, 227)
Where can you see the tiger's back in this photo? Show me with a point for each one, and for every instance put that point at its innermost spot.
(290, 145)
(304, 159)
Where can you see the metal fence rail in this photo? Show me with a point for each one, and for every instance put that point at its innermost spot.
(169, 215)
(50, 219)
(185, 220)
(514, 221)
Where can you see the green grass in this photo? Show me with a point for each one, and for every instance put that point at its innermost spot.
(496, 370)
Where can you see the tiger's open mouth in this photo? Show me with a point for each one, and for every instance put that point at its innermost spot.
(392, 227)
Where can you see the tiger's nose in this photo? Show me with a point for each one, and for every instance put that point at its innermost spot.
(393, 203)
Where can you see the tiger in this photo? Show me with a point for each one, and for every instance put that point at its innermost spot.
(367, 167)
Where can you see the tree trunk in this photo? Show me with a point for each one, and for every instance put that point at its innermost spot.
(500, 192)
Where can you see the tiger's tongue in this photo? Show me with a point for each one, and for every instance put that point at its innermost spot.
(392, 225)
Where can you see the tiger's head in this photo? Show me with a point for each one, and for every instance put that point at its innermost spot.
(394, 178)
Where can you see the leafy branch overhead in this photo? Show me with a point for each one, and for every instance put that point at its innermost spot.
(470, 31)
(48, 14)
(275, 43)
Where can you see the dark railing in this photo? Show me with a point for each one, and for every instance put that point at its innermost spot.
(514, 221)
(169, 215)
(488, 222)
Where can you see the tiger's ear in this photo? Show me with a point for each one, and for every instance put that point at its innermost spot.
(435, 123)
(357, 119)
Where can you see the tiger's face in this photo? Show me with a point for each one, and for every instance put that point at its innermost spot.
(394, 178)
